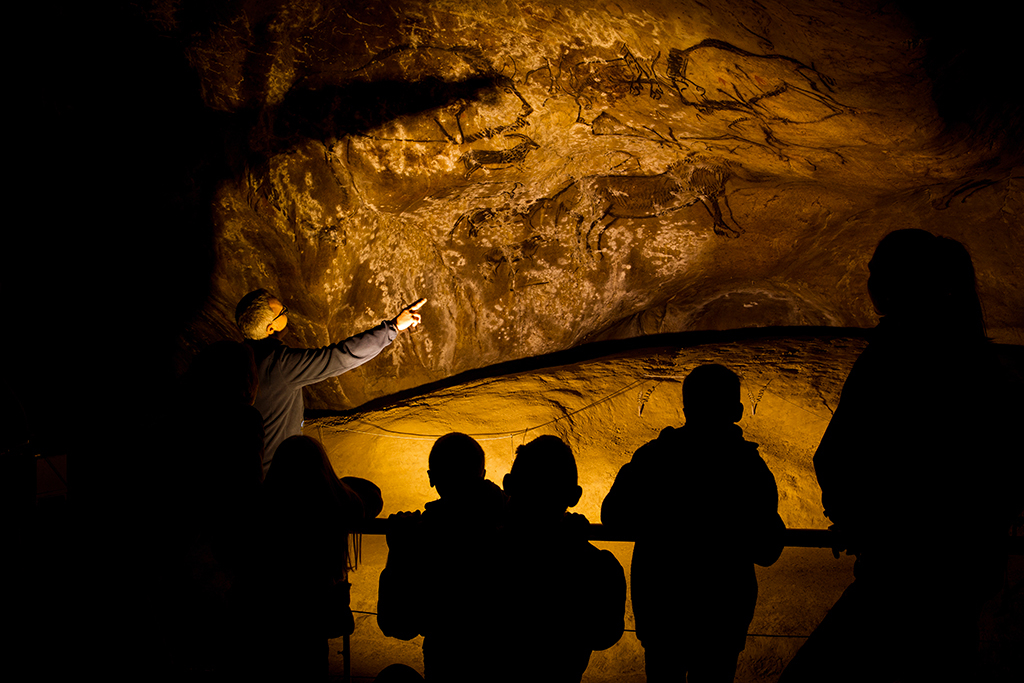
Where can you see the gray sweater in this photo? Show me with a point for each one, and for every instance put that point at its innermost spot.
(283, 371)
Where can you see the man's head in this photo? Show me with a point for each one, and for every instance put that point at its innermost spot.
(711, 395)
(543, 482)
(260, 314)
(456, 461)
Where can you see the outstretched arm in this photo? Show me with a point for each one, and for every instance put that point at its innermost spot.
(308, 366)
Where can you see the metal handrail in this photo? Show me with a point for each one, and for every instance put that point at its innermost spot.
(793, 538)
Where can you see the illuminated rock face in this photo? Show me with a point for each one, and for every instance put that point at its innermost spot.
(605, 408)
(548, 175)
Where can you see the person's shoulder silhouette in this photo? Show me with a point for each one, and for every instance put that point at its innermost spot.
(467, 499)
(703, 493)
(915, 465)
(672, 479)
(212, 481)
(439, 563)
(927, 388)
(544, 559)
(301, 590)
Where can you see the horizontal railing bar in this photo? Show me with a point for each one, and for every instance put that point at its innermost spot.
(793, 538)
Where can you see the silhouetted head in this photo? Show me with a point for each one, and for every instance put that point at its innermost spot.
(304, 494)
(456, 462)
(711, 395)
(927, 280)
(223, 372)
(301, 477)
(543, 482)
(260, 314)
(398, 673)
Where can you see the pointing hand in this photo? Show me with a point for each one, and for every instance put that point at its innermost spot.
(409, 317)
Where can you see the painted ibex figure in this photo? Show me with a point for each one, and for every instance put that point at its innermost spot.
(476, 159)
(594, 203)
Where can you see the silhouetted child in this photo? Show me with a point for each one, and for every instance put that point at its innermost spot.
(433, 581)
(301, 591)
(467, 499)
(559, 597)
(702, 507)
(398, 673)
(920, 473)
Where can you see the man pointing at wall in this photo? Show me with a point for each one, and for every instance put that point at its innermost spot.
(283, 371)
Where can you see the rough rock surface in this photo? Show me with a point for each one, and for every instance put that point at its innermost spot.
(605, 408)
(548, 174)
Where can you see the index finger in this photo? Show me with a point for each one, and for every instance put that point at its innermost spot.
(416, 306)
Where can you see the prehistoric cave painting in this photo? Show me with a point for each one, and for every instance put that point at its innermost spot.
(588, 207)
(585, 78)
(472, 223)
(738, 95)
(643, 396)
(593, 204)
(507, 86)
(504, 244)
(716, 76)
(467, 115)
(642, 75)
(495, 159)
(509, 219)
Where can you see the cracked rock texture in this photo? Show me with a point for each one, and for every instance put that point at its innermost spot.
(549, 175)
(605, 408)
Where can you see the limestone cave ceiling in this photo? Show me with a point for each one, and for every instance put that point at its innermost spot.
(550, 173)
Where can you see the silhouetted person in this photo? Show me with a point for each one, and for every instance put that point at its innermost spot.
(398, 673)
(559, 598)
(219, 450)
(702, 507)
(436, 570)
(283, 371)
(300, 592)
(918, 476)
(215, 479)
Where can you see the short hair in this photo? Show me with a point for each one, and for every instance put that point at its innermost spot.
(546, 462)
(711, 391)
(456, 456)
(253, 314)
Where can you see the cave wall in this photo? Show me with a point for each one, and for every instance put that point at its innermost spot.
(606, 408)
(548, 175)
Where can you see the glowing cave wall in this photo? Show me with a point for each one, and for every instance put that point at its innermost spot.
(547, 174)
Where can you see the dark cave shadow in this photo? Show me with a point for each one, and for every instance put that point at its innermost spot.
(354, 108)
